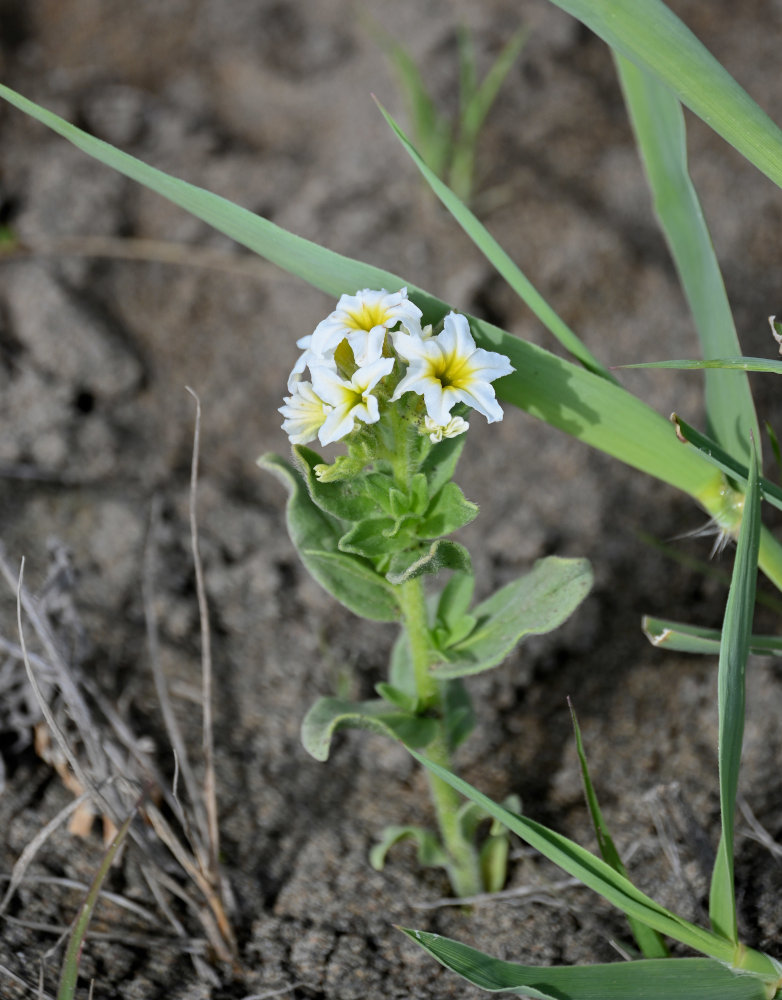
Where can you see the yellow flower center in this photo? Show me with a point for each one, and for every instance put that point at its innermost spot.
(452, 371)
(367, 317)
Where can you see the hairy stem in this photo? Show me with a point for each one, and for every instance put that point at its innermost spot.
(464, 867)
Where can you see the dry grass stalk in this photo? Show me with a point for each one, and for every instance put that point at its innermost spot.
(108, 766)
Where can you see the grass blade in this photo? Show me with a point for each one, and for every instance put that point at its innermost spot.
(658, 123)
(475, 102)
(721, 460)
(651, 36)
(431, 129)
(741, 364)
(693, 639)
(70, 968)
(649, 941)
(618, 890)
(592, 871)
(650, 979)
(734, 650)
(551, 389)
(500, 260)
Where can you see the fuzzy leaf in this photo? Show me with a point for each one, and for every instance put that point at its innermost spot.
(448, 511)
(376, 537)
(440, 464)
(397, 697)
(441, 554)
(328, 715)
(401, 671)
(532, 605)
(352, 581)
(455, 598)
(345, 499)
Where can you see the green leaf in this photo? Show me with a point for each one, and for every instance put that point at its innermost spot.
(328, 715)
(500, 259)
(658, 123)
(551, 389)
(459, 715)
(440, 464)
(346, 499)
(70, 968)
(430, 851)
(397, 697)
(378, 536)
(737, 364)
(432, 129)
(649, 979)
(722, 460)
(455, 599)
(649, 941)
(651, 36)
(475, 102)
(352, 581)
(441, 554)
(532, 605)
(448, 511)
(734, 649)
(601, 878)
(684, 638)
(493, 859)
(401, 670)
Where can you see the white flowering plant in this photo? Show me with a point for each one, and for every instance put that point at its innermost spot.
(373, 523)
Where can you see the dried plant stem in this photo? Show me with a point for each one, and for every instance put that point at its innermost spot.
(199, 836)
(210, 784)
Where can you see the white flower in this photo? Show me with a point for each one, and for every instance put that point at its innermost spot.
(450, 369)
(304, 412)
(436, 432)
(348, 401)
(363, 319)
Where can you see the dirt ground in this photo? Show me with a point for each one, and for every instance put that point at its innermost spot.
(268, 103)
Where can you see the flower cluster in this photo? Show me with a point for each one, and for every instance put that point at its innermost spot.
(370, 352)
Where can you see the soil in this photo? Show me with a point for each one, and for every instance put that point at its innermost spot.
(268, 103)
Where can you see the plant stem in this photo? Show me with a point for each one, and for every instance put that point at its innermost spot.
(464, 867)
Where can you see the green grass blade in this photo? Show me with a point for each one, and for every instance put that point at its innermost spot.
(485, 95)
(655, 979)
(650, 35)
(684, 638)
(741, 364)
(431, 129)
(592, 871)
(551, 389)
(734, 649)
(70, 968)
(658, 124)
(648, 940)
(322, 268)
(500, 260)
(772, 436)
(721, 460)
(475, 103)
